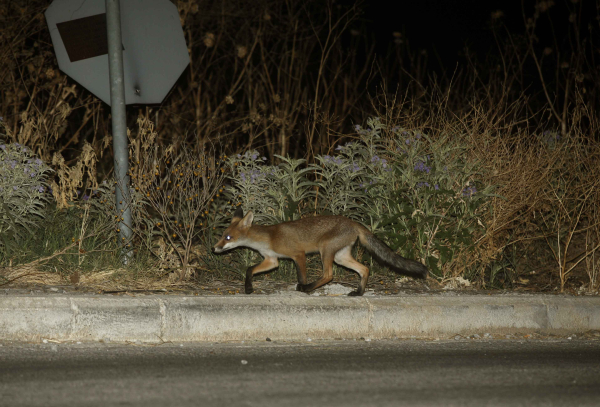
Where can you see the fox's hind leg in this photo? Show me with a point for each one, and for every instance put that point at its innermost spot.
(344, 258)
(327, 259)
(300, 261)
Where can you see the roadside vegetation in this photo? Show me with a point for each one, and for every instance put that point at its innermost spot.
(487, 173)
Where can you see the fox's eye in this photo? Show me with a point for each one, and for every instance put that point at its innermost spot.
(227, 237)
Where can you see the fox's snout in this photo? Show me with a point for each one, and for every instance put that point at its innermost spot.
(219, 246)
(223, 244)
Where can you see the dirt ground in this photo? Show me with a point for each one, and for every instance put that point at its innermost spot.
(266, 285)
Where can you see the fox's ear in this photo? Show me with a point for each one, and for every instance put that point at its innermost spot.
(238, 214)
(247, 221)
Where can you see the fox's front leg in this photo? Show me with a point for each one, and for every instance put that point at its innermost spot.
(268, 264)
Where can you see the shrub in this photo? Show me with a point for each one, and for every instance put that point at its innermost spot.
(420, 194)
(23, 192)
(275, 193)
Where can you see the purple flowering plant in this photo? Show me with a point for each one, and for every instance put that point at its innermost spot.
(273, 192)
(351, 180)
(434, 204)
(418, 192)
(23, 191)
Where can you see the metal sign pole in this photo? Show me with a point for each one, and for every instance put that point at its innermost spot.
(119, 124)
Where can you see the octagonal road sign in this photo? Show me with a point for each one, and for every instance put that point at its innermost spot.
(154, 49)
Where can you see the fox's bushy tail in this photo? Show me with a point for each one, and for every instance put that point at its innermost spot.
(384, 254)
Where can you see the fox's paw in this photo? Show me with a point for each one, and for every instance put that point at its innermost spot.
(303, 288)
(355, 294)
(248, 290)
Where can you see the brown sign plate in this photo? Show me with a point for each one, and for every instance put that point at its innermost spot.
(85, 37)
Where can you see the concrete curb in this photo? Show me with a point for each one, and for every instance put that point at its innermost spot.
(288, 317)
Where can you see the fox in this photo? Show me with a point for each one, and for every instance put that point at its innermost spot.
(331, 236)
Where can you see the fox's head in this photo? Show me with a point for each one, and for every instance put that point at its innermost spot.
(235, 234)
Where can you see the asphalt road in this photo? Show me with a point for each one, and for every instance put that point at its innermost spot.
(341, 373)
